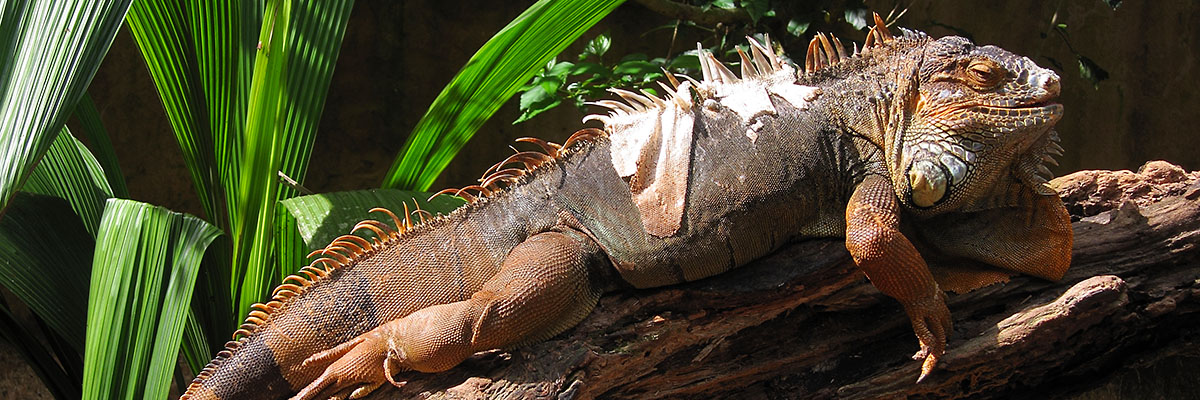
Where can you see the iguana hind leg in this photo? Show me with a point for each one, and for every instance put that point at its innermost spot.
(894, 266)
(547, 284)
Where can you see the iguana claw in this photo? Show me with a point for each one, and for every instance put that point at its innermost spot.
(931, 322)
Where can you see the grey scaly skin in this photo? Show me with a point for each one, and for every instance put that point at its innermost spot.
(940, 139)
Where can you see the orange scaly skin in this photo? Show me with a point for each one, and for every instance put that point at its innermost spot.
(893, 265)
(926, 155)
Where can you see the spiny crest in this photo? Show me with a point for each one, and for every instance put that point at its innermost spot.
(489, 183)
(759, 64)
(824, 52)
(827, 51)
(1033, 167)
(343, 251)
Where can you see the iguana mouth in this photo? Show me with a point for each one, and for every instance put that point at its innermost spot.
(1047, 107)
(935, 167)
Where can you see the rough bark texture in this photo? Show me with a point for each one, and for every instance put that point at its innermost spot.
(804, 323)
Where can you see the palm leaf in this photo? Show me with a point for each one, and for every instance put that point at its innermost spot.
(104, 153)
(502, 66)
(39, 238)
(292, 73)
(69, 171)
(163, 36)
(144, 270)
(241, 112)
(257, 184)
(49, 51)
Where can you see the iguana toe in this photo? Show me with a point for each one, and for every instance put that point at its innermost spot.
(355, 372)
(931, 323)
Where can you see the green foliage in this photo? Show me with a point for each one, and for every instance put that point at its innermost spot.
(320, 218)
(146, 262)
(243, 85)
(491, 76)
(49, 51)
(591, 74)
(589, 77)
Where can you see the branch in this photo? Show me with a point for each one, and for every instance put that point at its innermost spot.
(803, 323)
(710, 17)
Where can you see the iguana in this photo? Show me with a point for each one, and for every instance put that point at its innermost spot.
(908, 142)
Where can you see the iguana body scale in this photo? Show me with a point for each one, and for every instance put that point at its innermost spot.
(936, 140)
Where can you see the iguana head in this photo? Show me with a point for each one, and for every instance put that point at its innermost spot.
(977, 112)
(960, 125)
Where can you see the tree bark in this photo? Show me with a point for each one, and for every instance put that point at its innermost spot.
(804, 323)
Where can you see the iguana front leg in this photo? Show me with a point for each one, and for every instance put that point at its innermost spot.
(893, 265)
(547, 284)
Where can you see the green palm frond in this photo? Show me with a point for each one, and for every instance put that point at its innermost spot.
(49, 51)
(144, 269)
(501, 67)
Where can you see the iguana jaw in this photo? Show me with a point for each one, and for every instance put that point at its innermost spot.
(979, 113)
(939, 163)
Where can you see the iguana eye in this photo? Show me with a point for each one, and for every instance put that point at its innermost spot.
(984, 74)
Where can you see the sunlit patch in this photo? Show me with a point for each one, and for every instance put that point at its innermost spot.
(928, 183)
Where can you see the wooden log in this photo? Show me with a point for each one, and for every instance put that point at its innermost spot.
(804, 323)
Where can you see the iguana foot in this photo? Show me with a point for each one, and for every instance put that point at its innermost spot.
(931, 323)
(356, 371)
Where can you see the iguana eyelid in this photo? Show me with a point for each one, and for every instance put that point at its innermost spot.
(984, 74)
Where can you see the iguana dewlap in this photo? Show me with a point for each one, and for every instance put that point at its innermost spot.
(939, 141)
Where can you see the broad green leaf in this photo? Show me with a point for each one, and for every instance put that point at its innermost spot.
(635, 67)
(1091, 71)
(497, 71)
(322, 217)
(49, 51)
(535, 101)
(726, 4)
(69, 171)
(41, 237)
(598, 46)
(144, 270)
(162, 33)
(797, 27)
(292, 74)
(102, 147)
(589, 68)
(858, 17)
(258, 186)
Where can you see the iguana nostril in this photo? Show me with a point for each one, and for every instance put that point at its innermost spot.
(928, 183)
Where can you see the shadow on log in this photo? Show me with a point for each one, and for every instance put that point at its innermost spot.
(804, 323)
